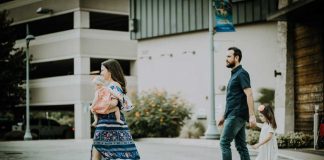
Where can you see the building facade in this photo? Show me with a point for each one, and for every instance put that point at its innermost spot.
(300, 87)
(72, 39)
(173, 48)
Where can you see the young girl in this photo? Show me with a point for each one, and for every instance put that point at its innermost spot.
(268, 147)
(102, 96)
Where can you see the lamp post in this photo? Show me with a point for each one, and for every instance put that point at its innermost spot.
(28, 38)
(211, 132)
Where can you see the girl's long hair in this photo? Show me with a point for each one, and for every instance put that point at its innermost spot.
(269, 115)
(116, 71)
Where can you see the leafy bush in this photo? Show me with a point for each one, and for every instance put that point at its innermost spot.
(283, 140)
(157, 115)
(253, 137)
(294, 140)
(290, 140)
(192, 130)
(64, 118)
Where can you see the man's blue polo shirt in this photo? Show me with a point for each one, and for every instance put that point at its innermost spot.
(236, 102)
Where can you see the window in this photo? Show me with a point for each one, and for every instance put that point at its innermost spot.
(45, 26)
(95, 64)
(233, 1)
(52, 69)
(5, 1)
(109, 21)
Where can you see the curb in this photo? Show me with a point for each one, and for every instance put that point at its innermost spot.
(288, 157)
(200, 143)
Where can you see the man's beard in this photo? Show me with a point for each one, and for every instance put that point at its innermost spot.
(230, 65)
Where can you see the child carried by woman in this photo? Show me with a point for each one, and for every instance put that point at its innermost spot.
(104, 93)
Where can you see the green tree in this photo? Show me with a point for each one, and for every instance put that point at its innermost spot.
(267, 96)
(12, 66)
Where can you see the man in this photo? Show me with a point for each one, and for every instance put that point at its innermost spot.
(239, 108)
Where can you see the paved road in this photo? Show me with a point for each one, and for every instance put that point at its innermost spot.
(80, 150)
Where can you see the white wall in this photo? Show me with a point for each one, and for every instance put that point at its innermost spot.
(67, 89)
(188, 73)
(259, 47)
(81, 42)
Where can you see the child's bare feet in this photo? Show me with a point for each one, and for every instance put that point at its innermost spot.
(120, 121)
(94, 124)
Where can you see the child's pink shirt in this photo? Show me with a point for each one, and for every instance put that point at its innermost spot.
(104, 96)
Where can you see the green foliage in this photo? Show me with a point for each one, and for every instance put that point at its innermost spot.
(283, 141)
(12, 66)
(294, 140)
(64, 118)
(192, 130)
(267, 96)
(290, 140)
(157, 115)
(253, 137)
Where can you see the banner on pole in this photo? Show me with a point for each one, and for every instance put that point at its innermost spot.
(224, 19)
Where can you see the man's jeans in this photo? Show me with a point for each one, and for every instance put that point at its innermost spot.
(234, 128)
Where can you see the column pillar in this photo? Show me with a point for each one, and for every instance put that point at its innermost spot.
(284, 94)
(82, 120)
(81, 107)
(81, 19)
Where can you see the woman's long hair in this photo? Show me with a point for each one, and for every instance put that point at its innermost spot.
(116, 72)
(269, 115)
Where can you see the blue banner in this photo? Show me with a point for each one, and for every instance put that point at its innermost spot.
(224, 19)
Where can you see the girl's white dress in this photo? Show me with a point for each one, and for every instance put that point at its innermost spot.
(269, 150)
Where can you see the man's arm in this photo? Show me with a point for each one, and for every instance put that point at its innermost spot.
(221, 119)
(249, 97)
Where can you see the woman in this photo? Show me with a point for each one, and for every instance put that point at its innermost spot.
(111, 139)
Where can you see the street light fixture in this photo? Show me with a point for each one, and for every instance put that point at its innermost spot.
(42, 10)
(212, 131)
(28, 38)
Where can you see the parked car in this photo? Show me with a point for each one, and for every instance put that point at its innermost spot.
(49, 128)
(5, 126)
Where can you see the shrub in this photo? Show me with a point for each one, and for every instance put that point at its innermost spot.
(283, 141)
(157, 115)
(192, 130)
(290, 140)
(253, 137)
(294, 140)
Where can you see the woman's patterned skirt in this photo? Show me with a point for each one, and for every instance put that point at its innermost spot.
(114, 140)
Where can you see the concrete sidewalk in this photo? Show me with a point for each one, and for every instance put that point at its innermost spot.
(149, 148)
(283, 153)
